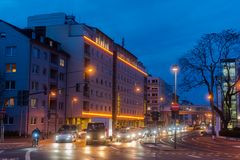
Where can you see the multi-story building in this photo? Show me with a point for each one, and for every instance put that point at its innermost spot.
(159, 98)
(31, 66)
(231, 68)
(116, 79)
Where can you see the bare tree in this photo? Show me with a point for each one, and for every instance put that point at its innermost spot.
(200, 65)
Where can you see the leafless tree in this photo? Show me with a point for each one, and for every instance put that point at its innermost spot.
(201, 65)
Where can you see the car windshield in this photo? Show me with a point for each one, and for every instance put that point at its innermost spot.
(95, 126)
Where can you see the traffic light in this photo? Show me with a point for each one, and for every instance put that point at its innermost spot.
(175, 114)
(78, 87)
(155, 115)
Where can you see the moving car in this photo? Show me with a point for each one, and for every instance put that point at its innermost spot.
(96, 132)
(67, 133)
(65, 136)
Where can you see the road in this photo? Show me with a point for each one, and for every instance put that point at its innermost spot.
(189, 146)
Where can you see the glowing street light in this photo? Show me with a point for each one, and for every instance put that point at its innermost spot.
(175, 70)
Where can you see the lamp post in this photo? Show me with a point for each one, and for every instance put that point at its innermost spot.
(51, 94)
(175, 71)
(74, 100)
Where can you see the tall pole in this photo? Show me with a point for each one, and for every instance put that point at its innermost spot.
(175, 70)
(175, 115)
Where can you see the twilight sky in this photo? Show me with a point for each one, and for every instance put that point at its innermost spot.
(156, 31)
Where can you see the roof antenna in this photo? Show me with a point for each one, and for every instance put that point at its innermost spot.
(123, 42)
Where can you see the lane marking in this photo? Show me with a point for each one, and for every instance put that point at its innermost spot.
(27, 155)
(114, 148)
(194, 156)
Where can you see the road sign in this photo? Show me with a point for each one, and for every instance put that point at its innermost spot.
(175, 107)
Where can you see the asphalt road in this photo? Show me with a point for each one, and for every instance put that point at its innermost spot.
(189, 147)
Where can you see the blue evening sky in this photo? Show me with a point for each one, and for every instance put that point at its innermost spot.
(156, 31)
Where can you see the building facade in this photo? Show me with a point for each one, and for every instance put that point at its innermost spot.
(31, 66)
(230, 71)
(159, 98)
(115, 83)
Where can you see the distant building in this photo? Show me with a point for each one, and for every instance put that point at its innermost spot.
(159, 98)
(234, 71)
(117, 82)
(31, 64)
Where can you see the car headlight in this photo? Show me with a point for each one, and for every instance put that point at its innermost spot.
(139, 134)
(56, 137)
(88, 137)
(154, 132)
(133, 135)
(69, 136)
(102, 136)
(118, 136)
(128, 136)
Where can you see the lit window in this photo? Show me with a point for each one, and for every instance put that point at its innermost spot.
(62, 62)
(10, 51)
(33, 102)
(9, 102)
(11, 67)
(33, 120)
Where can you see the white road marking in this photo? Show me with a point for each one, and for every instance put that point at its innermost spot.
(183, 139)
(27, 155)
(194, 156)
(114, 148)
(172, 140)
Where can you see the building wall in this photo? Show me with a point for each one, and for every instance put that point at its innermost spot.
(21, 76)
(99, 102)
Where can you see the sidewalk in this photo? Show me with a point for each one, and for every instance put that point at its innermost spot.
(19, 142)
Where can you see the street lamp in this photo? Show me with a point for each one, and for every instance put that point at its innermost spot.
(52, 94)
(74, 100)
(175, 70)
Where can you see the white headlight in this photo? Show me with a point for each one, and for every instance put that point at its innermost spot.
(139, 134)
(133, 135)
(128, 136)
(118, 136)
(102, 136)
(88, 137)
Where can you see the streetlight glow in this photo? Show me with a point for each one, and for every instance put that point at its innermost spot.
(75, 99)
(53, 94)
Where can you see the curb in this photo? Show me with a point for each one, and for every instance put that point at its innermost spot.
(229, 138)
(156, 146)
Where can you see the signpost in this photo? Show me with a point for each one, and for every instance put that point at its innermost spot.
(175, 111)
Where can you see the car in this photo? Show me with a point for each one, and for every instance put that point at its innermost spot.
(65, 136)
(125, 136)
(96, 133)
